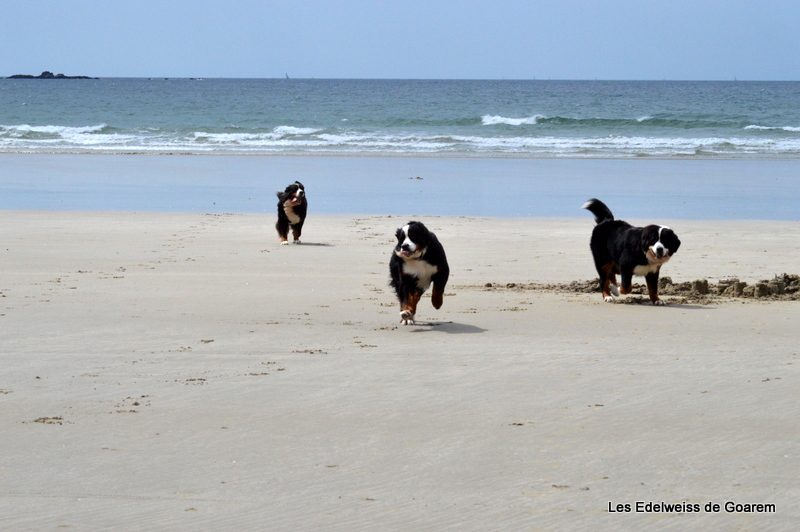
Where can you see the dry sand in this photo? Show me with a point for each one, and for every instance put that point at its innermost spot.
(185, 372)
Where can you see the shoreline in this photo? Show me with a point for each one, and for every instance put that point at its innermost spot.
(720, 158)
(652, 189)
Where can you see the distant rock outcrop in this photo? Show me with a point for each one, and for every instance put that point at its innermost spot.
(47, 75)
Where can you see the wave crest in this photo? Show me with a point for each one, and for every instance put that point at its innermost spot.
(493, 120)
(26, 130)
(774, 128)
(602, 139)
(291, 130)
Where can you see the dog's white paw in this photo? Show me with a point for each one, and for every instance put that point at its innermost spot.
(406, 317)
(608, 299)
(296, 241)
(284, 242)
(614, 290)
(659, 302)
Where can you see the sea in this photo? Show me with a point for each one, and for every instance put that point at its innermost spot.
(650, 149)
(419, 118)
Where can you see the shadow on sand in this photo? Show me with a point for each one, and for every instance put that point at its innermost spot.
(448, 327)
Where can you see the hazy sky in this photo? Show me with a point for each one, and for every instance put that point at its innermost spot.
(467, 39)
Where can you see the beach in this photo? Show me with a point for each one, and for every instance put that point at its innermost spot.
(183, 371)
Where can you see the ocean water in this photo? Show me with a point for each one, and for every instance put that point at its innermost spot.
(518, 119)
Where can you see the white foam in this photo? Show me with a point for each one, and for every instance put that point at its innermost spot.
(288, 139)
(489, 120)
(290, 130)
(773, 128)
(63, 131)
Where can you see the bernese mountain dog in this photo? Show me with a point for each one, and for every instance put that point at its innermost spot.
(292, 207)
(620, 248)
(418, 260)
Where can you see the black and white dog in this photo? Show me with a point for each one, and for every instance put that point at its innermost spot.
(418, 260)
(292, 207)
(619, 248)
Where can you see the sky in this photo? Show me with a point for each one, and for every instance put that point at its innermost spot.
(404, 39)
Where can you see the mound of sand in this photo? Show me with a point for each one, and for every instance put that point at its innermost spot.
(785, 287)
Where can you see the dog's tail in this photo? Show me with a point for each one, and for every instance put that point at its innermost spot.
(601, 212)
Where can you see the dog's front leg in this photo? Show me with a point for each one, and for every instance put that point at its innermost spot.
(626, 282)
(282, 226)
(652, 287)
(408, 309)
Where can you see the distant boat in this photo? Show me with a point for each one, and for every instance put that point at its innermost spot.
(287, 76)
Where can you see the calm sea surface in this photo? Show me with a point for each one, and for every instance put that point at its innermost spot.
(523, 119)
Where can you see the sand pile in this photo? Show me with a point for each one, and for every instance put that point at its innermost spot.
(784, 287)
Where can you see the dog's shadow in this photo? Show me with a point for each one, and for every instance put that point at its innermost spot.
(689, 306)
(676, 304)
(448, 327)
(318, 244)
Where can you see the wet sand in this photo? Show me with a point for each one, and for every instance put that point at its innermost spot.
(652, 189)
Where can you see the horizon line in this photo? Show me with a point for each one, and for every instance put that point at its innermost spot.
(535, 78)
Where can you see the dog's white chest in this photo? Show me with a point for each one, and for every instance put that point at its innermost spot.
(652, 266)
(422, 270)
(644, 270)
(290, 214)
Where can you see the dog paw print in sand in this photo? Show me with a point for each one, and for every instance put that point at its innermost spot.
(362, 344)
(269, 365)
(521, 423)
(131, 405)
(46, 420)
(193, 381)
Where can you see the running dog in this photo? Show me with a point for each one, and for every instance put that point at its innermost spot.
(418, 260)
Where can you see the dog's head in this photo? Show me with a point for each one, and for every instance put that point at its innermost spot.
(412, 240)
(659, 243)
(295, 194)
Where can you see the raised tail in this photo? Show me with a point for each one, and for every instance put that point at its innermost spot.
(601, 212)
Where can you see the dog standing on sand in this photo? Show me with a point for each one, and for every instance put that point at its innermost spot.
(619, 248)
(292, 207)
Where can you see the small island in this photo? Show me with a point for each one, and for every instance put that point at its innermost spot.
(47, 75)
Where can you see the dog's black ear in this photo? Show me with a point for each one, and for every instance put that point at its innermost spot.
(673, 242)
(649, 236)
(419, 234)
(399, 234)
